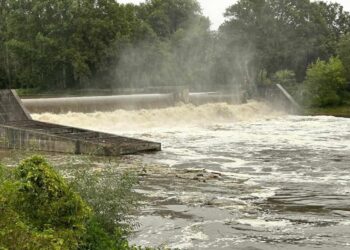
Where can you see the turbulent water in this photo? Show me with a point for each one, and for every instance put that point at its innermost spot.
(244, 176)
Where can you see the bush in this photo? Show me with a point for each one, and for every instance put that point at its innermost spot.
(110, 194)
(46, 199)
(16, 231)
(40, 210)
(325, 82)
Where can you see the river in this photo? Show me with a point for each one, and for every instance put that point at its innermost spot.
(237, 176)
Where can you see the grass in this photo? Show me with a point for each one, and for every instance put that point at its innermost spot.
(339, 111)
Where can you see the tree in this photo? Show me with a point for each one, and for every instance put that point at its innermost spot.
(286, 34)
(344, 53)
(167, 16)
(64, 44)
(177, 55)
(4, 56)
(325, 82)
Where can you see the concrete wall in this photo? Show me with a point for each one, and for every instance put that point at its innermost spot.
(11, 108)
(12, 137)
(15, 138)
(19, 131)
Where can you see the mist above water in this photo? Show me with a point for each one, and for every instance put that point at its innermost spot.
(193, 56)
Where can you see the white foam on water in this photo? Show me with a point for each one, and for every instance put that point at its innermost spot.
(180, 116)
(345, 223)
(260, 223)
(265, 193)
(260, 153)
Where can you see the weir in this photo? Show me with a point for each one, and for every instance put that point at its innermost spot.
(89, 104)
(19, 131)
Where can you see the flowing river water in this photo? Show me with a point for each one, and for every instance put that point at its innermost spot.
(237, 176)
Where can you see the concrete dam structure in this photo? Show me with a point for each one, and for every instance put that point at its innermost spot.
(276, 95)
(19, 131)
(88, 104)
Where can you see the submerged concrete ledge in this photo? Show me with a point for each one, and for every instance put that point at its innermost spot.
(19, 131)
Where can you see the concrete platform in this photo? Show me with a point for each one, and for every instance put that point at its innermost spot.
(19, 131)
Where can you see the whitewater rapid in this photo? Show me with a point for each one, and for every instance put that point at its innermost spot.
(282, 181)
(185, 115)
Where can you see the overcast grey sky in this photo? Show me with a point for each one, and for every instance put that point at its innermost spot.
(214, 9)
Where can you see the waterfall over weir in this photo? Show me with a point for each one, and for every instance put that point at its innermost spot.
(275, 94)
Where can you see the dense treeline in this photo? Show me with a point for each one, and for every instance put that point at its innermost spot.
(287, 34)
(67, 44)
(291, 40)
(79, 43)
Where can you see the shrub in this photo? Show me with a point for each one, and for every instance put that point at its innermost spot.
(40, 210)
(15, 231)
(46, 198)
(324, 83)
(111, 196)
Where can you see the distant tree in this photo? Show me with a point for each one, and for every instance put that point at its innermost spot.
(64, 43)
(167, 16)
(178, 55)
(4, 69)
(286, 34)
(344, 53)
(325, 82)
(284, 77)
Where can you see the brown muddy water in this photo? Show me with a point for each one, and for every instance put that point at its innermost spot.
(235, 176)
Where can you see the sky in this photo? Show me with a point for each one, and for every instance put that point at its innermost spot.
(215, 9)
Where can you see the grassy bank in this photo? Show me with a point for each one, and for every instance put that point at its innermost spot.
(339, 111)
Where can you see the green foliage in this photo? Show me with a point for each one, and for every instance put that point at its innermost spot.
(111, 196)
(40, 210)
(55, 50)
(96, 238)
(288, 80)
(16, 230)
(167, 16)
(325, 82)
(339, 111)
(284, 77)
(344, 53)
(286, 34)
(47, 201)
(165, 42)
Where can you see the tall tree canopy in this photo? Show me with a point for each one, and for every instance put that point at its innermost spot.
(47, 44)
(288, 34)
(62, 44)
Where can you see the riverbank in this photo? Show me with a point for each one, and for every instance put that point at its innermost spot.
(340, 111)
